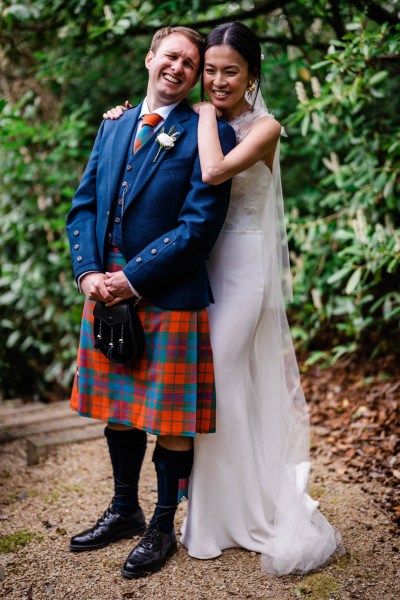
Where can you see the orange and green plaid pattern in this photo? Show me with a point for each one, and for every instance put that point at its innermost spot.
(169, 391)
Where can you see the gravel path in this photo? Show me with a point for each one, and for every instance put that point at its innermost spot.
(71, 488)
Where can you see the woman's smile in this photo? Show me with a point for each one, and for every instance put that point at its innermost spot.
(220, 93)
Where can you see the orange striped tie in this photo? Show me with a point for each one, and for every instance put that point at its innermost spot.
(149, 122)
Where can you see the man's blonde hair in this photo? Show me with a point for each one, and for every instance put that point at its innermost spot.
(192, 35)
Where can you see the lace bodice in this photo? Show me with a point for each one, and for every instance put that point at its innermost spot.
(249, 188)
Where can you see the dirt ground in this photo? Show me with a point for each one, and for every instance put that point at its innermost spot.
(354, 409)
(69, 490)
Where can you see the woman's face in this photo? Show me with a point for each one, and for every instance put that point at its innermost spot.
(225, 78)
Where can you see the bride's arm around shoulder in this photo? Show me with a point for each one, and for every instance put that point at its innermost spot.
(259, 144)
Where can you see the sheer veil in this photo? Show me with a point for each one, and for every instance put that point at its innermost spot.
(302, 539)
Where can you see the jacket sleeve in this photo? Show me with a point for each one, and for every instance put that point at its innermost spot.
(81, 219)
(190, 242)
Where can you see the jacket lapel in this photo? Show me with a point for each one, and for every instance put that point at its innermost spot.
(120, 141)
(149, 168)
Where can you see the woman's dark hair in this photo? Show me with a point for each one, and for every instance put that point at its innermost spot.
(242, 39)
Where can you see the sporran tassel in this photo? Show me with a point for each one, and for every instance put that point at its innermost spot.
(111, 344)
(98, 338)
(121, 341)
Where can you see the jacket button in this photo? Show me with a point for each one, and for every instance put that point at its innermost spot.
(153, 251)
(108, 213)
(138, 259)
(76, 247)
(79, 258)
(76, 232)
(117, 219)
(166, 240)
(129, 168)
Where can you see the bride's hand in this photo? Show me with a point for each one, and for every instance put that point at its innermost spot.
(205, 105)
(117, 111)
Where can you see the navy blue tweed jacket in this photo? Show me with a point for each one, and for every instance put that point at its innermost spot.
(169, 202)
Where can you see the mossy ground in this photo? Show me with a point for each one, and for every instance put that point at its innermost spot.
(317, 587)
(14, 541)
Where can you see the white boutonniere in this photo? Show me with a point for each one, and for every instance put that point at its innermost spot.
(166, 141)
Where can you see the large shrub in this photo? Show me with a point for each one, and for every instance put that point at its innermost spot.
(63, 63)
(344, 221)
(40, 165)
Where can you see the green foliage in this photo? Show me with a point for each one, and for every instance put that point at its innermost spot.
(344, 225)
(63, 63)
(40, 165)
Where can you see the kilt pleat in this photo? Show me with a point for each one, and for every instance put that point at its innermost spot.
(169, 391)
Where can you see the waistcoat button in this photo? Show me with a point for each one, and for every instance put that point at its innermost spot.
(76, 232)
(138, 259)
(79, 258)
(129, 168)
(153, 251)
(166, 240)
(117, 219)
(76, 247)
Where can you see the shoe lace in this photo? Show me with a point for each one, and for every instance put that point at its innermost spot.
(109, 510)
(151, 538)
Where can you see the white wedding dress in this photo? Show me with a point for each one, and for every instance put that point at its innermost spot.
(249, 482)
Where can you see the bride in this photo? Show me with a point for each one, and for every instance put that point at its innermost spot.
(248, 486)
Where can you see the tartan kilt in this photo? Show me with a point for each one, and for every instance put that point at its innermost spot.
(169, 391)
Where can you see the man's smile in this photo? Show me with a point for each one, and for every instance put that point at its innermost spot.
(171, 78)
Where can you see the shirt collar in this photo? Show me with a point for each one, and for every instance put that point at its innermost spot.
(163, 111)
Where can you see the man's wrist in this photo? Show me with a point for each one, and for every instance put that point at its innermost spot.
(81, 277)
(134, 291)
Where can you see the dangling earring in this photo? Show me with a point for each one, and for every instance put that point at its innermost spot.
(251, 87)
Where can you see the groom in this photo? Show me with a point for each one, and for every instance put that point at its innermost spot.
(142, 197)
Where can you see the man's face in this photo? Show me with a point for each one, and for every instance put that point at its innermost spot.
(172, 70)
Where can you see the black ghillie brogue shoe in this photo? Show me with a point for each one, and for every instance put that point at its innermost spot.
(109, 528)
(151, 553)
